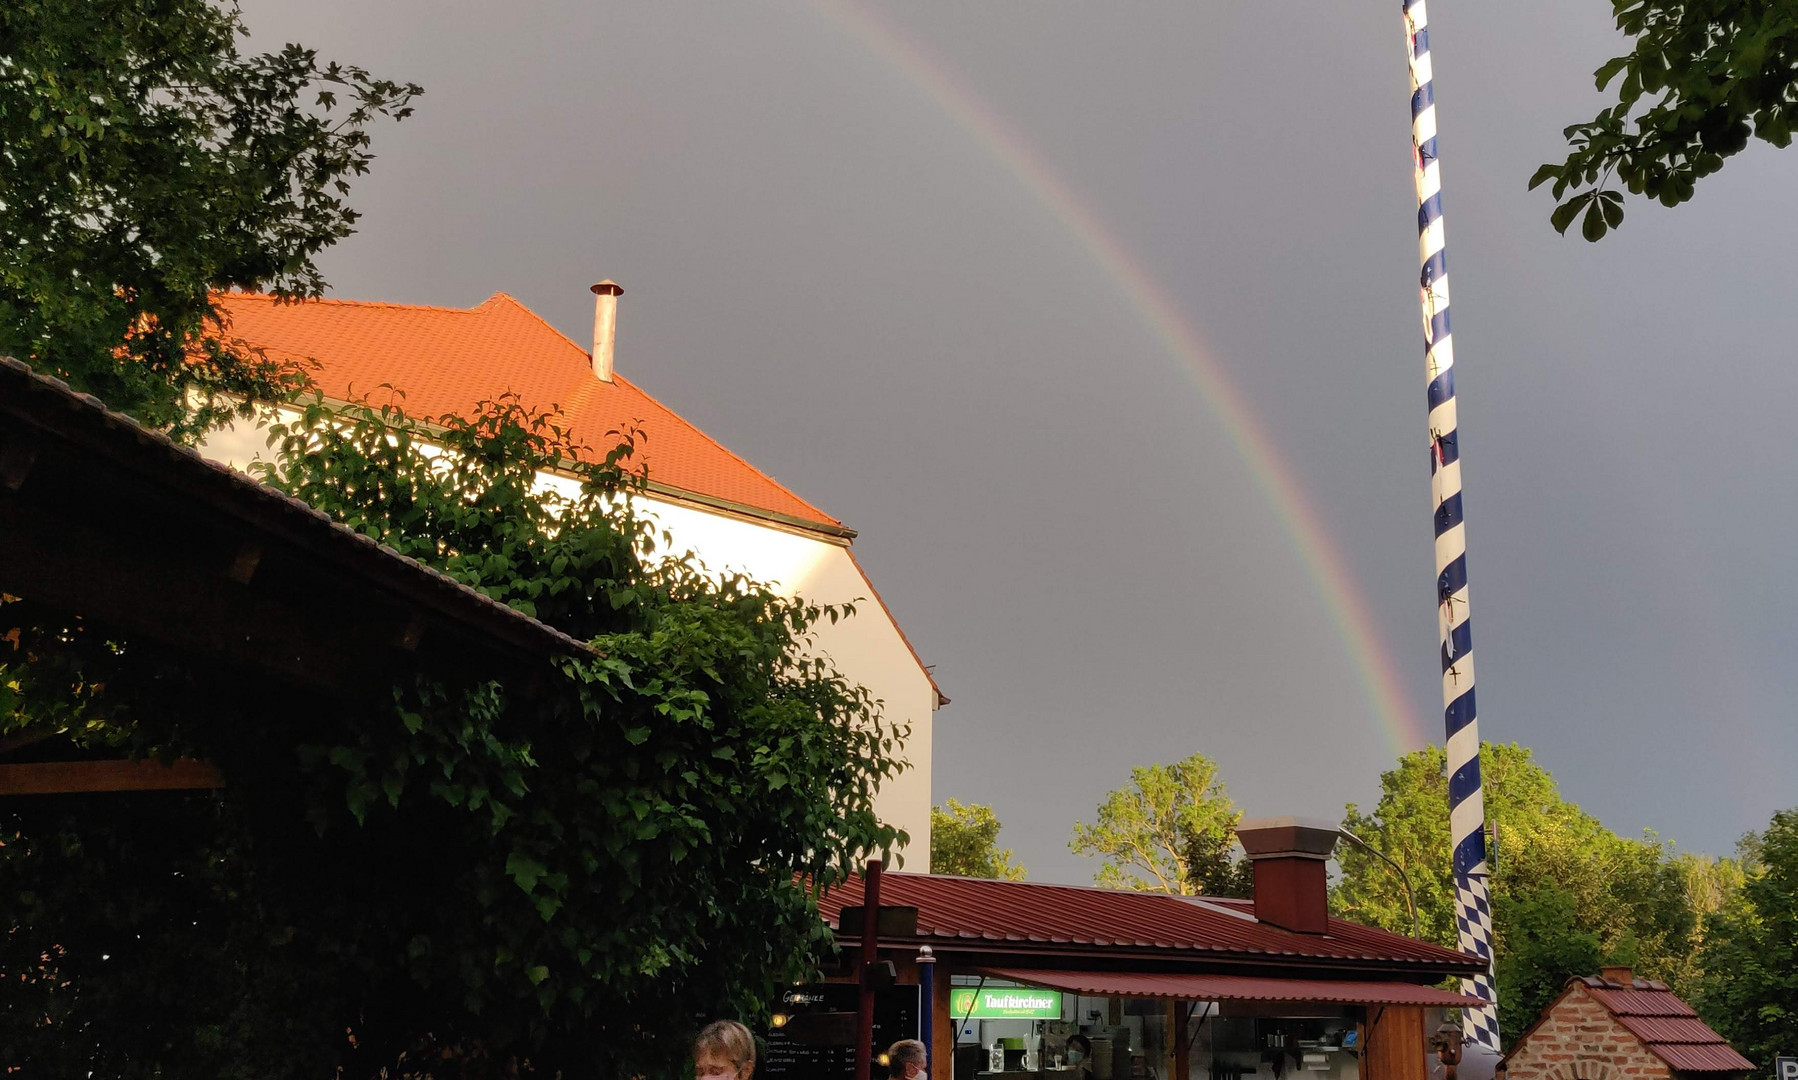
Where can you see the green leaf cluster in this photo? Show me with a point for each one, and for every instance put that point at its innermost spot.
(1567, 893)
(964, 841)
(565, 872)
(1749, 987)
(1170, 830)
(149, 162)
(1703, 77)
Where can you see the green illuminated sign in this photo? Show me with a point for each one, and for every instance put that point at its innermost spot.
(1006, 1003)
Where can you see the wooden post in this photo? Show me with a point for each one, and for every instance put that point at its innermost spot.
(1182, 1042)
(1395, 1047)
(942, 1053)
(864, 1006)
(1170, 1026)
(926, 969)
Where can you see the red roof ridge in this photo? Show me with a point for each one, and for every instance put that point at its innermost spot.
(239, 294)
(541, 321)
(1599, 982)
(1011, 884)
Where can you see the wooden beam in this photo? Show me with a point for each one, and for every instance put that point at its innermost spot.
(138, 580)
(411, 633)
(16, 460)
(243, 565)
(74, 777)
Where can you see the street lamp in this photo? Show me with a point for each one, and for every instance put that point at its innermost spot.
(1410, 897)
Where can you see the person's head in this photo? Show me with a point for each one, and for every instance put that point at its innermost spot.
(906, 1060)
(1079, 1048)
(724, 1050)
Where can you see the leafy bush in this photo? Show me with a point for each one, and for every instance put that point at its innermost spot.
(469, 877)
(150, 163)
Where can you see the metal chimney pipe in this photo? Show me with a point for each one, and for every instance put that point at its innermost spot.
(605, 327)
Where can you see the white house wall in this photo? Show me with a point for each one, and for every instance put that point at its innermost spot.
(868, 649)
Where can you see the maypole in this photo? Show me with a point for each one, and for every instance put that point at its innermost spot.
(1467, 806)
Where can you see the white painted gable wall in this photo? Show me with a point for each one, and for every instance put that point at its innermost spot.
(867, 649)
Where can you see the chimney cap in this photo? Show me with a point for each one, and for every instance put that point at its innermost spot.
(1290, 837)
(608, 287)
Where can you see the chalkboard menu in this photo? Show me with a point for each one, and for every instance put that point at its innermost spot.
(814, 1033)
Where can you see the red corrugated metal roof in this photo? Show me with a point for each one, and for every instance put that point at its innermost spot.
(973, 914)
(1667, 1026)
(1702, 1057)
(1645, 998)
(1236, 988)
(1668, 1029)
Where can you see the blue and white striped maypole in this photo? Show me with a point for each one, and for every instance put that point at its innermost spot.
(1467, 806)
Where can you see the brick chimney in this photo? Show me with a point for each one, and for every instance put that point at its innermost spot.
(1621, 974)
(1288, 854)
(605, 327)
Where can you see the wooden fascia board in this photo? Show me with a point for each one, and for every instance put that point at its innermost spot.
(80, 777)
(978, 953)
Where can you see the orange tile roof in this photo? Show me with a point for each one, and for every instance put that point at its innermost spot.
(446, 360)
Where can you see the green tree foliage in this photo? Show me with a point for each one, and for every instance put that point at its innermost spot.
(1702, 78)
(1567, 893)
(1213, 868)
(471, 876)
(964, 841)
(1169, 831)
(1545, 944)
(148, 163)
(1711, 884)
(1750, 958)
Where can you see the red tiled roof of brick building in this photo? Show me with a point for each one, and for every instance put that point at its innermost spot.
(1614, 1026)
(446, 360)
(1669, 1027)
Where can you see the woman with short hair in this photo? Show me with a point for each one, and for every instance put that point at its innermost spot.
(724, 1050)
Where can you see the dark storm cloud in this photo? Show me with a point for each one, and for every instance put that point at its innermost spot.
(834, 276)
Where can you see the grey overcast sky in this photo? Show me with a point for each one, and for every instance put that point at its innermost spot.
(900, 257)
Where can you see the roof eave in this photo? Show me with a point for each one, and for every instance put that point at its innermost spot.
(567, 467)
(972, 947)
(46, 408)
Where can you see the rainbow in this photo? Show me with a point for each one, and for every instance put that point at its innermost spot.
(1303, 527)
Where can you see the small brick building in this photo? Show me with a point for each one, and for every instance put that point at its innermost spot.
(1614, 1026)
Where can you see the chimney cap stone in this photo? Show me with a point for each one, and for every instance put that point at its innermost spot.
(1288, 837)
